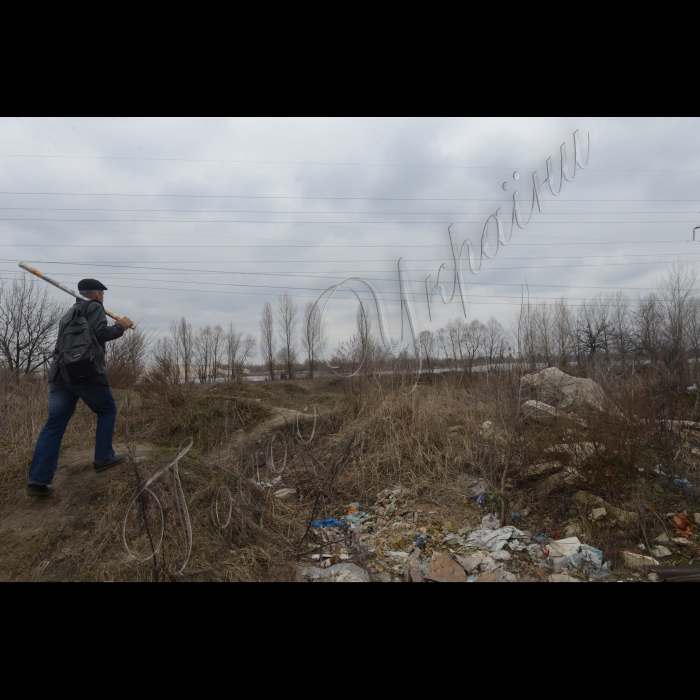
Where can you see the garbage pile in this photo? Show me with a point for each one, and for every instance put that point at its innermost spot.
(396, 541)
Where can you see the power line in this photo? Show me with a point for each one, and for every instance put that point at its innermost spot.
(333, 276)
(433, 270)
(470, 295)
(417, 298)
(331, 164)
(426, 260)
(333, 245)
(347, 199)
(383, 213)
(318, 223)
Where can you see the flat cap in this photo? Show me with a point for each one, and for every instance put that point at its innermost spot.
(91, 285)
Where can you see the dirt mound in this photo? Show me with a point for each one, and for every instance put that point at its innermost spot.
(80, 496)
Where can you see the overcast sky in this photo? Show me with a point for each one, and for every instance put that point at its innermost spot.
(209, 218)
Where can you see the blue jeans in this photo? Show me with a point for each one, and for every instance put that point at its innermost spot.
(62, 401)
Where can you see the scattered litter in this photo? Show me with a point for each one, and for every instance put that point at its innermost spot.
(573, 530)
(443, 569)
(453, 541)
(473, 486)
(478, 500)
(638, 561)
(562, 578)
(356, 518)
(561, 550)
(591, 561)
(497, 576)
(598, 514)
(693, 388)
(340, 573)
(493, 539)
(415, 576)
(684, 483)
(501, 555)
(682, 524)
(476, 562)
(327, 523)
(490, 522)
(399, 555)
(419, 542)
(518, 515)
(660, 552)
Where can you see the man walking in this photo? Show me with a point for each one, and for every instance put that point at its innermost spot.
(63, 396)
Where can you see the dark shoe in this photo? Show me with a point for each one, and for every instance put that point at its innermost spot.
(104, 466)
(41, 490)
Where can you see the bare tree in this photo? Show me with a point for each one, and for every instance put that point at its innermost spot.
(562, 332)
(428, 347)
(287, 318)
(621, 334)
(494, 342)
(183, 345)
(593, 329)
(208, 351)
(442, 339)
(239, 349)
(312, 335)
(473, 341)
(647, 329)
(126, 357)
(542, 333)
(217, 350)
(363, 322)
(694, 334)
(165, 359)
(455, 338)
(268, 343)
(203, 354)
(676, 292)
(28, 325)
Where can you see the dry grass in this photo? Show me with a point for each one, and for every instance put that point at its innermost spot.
(370, 436)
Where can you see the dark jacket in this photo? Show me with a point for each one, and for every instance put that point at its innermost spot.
(97, 318)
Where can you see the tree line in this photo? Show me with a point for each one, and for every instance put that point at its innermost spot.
(662, 326)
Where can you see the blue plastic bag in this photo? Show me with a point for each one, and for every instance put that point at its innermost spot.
(683, 483)
(478, 499)
(328, 522)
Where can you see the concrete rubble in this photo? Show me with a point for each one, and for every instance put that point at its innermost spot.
(539, 411)
(562, 391)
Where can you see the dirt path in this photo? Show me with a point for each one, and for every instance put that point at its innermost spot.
(78, 493)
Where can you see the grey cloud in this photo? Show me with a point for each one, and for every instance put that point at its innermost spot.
(638, 144)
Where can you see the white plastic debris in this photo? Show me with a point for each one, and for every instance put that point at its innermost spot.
(561, 550)
(637, 561)
(493, 540)
(490, 522)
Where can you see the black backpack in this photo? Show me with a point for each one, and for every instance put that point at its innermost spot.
(80, 356)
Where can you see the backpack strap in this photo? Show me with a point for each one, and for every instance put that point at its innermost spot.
(82, 310)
